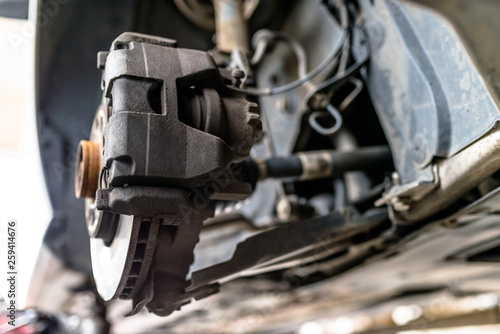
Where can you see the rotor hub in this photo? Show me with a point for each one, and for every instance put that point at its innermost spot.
(88, 169)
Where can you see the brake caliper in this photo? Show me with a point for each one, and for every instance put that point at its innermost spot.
(163, 141)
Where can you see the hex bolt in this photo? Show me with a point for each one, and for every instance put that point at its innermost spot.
(88, 168)
(396, 178)
(237, 75)
(290, 208)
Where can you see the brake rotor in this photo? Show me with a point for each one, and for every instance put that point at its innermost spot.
(121, 266)
(121, 246)
(109, 262)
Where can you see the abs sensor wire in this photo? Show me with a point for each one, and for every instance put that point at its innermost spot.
(336, 81)
(341, 78)
(300, 81)
(343, 75)
(344, 24)
(264, 38)
(333, 83)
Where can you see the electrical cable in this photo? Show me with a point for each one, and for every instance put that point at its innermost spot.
(335, 81)
(298, 82)
(344, 24)
(262, 40)
(341, 77)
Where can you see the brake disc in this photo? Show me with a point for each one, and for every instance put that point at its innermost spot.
(121, 267)
(110, 262)
(121, 246)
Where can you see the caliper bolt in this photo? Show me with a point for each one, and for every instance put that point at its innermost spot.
(238, 76)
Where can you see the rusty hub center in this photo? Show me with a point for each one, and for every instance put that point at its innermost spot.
(88, 169)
